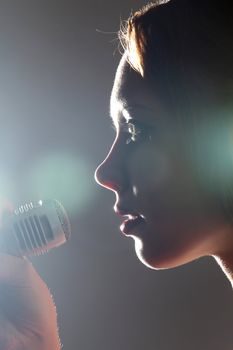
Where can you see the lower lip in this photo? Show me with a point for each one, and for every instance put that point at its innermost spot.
(132, 226)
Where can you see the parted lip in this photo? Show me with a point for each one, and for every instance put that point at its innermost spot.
(131, 220)
(131, 225)
(125, 213)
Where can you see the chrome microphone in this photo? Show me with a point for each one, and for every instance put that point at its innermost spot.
(34, 229)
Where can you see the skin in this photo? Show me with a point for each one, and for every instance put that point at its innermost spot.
(28, 318)
(155, 175)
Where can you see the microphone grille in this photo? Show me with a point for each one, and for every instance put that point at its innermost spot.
(63, 217)
(36, 228)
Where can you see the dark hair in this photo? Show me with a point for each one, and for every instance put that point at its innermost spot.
(179, 40)
(185, 48)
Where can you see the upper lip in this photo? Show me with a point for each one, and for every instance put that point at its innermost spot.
(126, 213)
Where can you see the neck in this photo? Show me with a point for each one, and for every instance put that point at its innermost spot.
(226, 264)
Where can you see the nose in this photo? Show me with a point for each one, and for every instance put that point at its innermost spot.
(111, 172)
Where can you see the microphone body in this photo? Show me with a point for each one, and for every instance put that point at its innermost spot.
(34, 229)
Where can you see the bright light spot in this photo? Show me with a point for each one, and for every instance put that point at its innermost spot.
(64, 177)
(6, 192)
(135, 191)
(213, 153)
(134, 54)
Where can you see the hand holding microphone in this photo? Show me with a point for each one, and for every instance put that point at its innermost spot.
(28, 319)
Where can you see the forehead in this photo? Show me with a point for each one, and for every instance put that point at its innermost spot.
(131, 91)
(127, 82)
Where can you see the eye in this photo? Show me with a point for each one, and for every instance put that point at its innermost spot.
(134, 132)
(137, 132)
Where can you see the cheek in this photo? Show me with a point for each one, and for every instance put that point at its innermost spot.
(149, 168)
(162, 176)
(162, 183)
(181, 221)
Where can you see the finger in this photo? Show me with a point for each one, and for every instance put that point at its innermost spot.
(13, 268)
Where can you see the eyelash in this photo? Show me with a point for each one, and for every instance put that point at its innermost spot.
(137, 132)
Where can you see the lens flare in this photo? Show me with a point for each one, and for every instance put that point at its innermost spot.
(212, 153)
(6, 191)
(64, 177)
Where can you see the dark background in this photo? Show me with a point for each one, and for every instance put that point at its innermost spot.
(57, 64)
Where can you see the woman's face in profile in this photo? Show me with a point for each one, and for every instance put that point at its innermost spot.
(170, 217)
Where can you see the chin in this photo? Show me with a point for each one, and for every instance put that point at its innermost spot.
(159, 259)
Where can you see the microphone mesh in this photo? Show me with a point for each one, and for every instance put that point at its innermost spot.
(63, 217)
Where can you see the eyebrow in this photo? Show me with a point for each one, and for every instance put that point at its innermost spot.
(133, 111)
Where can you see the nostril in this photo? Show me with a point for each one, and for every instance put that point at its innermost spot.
(103, 179)
(111, 185)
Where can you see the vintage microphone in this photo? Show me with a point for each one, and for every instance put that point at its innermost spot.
(34, 229)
